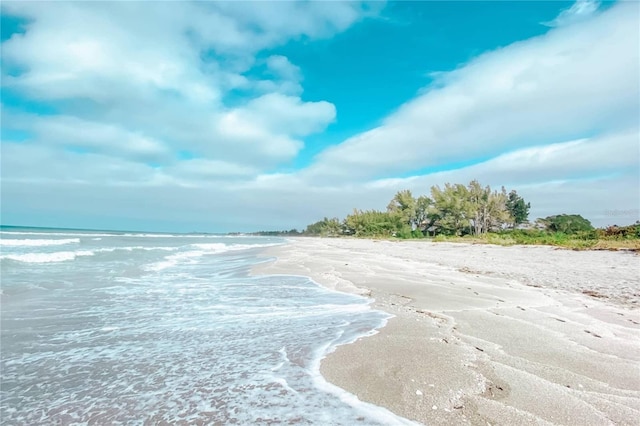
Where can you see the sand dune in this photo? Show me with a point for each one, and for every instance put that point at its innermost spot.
(485, 334)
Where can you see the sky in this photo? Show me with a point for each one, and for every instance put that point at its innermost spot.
(246, 116)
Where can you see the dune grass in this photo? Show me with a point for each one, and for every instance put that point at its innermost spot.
(575, 242)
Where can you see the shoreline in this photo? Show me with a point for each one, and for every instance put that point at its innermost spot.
(483, 334)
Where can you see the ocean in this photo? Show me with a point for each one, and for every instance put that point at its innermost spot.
(140, 328)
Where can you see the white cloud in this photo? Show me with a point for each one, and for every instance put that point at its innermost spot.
(75, 133)
(29, 165)
(276, 22)
(91, 51)
(579, 11)
(281, 66)
(579, 159)
(555, 117)
(146, 83)
(275, 111)
(200, 169)
(583, 158)
(569, 83)
(286, 77)
(592, 177)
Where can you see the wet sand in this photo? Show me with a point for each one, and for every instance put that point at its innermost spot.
(484, 334)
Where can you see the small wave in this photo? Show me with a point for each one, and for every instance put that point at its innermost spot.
(38, 243)
(113, 234)
(174, 259)
(215, 247)
(172, 235)
(203, 249)
(132, 248)
(220, 247)
(60, 256)
(60, 234)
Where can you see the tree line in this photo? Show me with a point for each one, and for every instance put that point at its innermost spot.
(454, 209)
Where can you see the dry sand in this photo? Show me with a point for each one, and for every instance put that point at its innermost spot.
(485, 334)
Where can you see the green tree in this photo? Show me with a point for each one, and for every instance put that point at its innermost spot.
(518, 208)
(373, 223)
(567, 223)
(498, 213)
(488, 209)
(404, 205)
(325, 227)
(451, 208)
(455, 209)
(423, 206)
(478, 198)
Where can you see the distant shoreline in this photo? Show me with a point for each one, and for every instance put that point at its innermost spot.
(112, 231)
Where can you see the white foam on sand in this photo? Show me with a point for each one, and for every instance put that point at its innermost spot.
(495, 323)
(377, 413)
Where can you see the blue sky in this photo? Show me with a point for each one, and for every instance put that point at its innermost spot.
(269, 115)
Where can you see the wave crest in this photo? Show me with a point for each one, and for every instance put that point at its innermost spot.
(38, 243)
(59, 256)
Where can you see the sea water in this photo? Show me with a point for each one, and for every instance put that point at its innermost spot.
(128, 328)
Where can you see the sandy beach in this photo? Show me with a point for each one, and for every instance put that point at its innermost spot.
(484, 334)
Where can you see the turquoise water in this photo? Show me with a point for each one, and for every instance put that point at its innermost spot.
(125, 328)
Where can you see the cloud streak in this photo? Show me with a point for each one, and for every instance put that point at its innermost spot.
(579, 11)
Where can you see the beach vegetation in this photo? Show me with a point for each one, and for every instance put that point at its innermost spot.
(451, 210)
(475, 213)
(592, 240)
(290, 233)
(566, 224)
(373, 223)
(325, 228)
(518, 208)
(620, 232)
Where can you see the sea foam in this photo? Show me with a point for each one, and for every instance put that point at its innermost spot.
(59, 256)
(190, 256)
(136, 330)
(38, 242)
